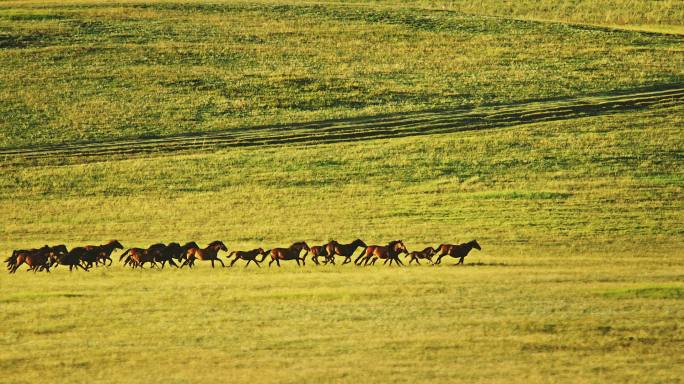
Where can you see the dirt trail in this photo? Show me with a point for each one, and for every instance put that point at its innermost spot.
(385, 126)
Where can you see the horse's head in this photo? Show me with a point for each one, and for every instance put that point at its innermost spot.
(359, 243)
(115, 244)
(173, 245)
(475, 245)
(219, 246)
(261, 251)
(397, 246)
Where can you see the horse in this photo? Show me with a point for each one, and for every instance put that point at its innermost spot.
(166, 253)
(249, 256)
(137, 257)
(426, 254)
(181, 253)
(72, 259)
(102, 253)
(321, 251)
(291, 253)
(208, 253)
(390, 253)
(457, 251)
(37, 259)
(346, 250)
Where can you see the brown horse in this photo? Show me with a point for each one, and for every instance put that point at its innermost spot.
(390, 253)
(167, 253)
(137, 257)
(72, 259)
(346, 250)
(457, 251)
(209, 253)
(425, 254)
(249, 256)
(37, 259)
(102, 253)
(291, 253)
(321, 251)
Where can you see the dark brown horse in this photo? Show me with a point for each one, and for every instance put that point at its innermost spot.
(390, 253)
(425, 254)
(291, 253)
(37, 259)
(321, 251)
(167, 253)
(137, 257)
(459, 251)
(209, 253)
(72, 259)
(250, 256)
(103, 253)
(346, 250)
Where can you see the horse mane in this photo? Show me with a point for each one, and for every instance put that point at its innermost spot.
(215, 242)
(393, 243)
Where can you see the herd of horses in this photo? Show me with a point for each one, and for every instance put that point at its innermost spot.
(174, 254)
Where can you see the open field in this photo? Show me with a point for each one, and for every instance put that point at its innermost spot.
(559, 147)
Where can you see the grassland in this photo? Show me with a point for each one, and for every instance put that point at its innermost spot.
(579, 279)
(559, 147)
(95, 71)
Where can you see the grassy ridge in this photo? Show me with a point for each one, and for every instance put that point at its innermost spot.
(80, 71)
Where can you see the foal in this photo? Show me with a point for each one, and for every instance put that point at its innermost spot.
(249, 256)
(426, 254)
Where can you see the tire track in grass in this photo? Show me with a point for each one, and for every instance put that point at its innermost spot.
(364, 128)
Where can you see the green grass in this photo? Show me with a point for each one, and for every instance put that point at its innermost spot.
(97, 71)
(514, 323)
(576, 199)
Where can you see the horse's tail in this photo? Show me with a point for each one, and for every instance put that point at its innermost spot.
(124, 254)
(11, 261)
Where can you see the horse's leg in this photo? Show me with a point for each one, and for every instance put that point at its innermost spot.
(221, 261)
(461, 261)
(212, 263)
(270, 262)
(234, 261)
(248, 261)
(398, 261)
(257, 263)
(278, 262)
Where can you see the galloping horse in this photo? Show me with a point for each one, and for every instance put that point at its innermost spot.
(208, 253)
(346, 250)
(457, 251)
(321, 251)
(291, 253)
(72, 259)
(37, 259)
(102, 253)
(137, 257)
(426, 254)
(166, 253)
(249, 256)
(390, 253)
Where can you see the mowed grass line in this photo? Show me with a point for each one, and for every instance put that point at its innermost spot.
(392, 126)
(101, 71)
